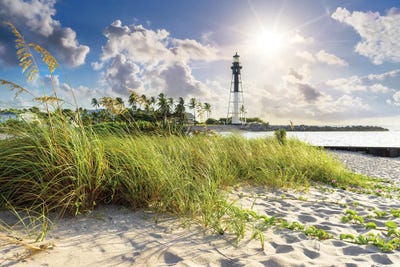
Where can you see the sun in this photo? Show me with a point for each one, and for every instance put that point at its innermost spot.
(269, 42)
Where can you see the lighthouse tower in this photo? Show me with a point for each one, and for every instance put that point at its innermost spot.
(236, 102)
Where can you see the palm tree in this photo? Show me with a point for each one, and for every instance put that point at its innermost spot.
(192, 106)
(120, 104)
(143, 101)
(113, 106)
(200, 111)
(152, 102)
(171, 103)
(95, 103)
(120, 101)
(148, 103)
(133, 100)
(163, 107)
(207, 109)
(243, 113)
(106, 102)
(180, 111)
(95, 116)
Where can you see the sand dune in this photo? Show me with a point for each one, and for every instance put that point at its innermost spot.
(116, 236)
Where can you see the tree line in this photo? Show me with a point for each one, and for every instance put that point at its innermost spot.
(161, 109)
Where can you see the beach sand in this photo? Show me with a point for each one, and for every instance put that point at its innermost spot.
(116, 236)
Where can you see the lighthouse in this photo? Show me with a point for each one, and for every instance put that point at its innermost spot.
(236, 103)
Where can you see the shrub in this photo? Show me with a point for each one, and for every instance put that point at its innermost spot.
(280, 136)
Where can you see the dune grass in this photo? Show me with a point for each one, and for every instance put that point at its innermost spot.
(69, 170)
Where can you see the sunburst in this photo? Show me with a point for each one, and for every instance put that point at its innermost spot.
(269, 42)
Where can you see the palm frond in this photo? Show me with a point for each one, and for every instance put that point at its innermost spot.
(47, 58)
(112, 105)
(13, 86)
(24, 55)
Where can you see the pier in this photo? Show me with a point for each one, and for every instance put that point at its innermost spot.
(391, 152)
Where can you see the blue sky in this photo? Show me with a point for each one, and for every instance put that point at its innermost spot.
(312, 62)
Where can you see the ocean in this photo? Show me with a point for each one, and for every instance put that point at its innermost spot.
(361, 139)
(7, 116)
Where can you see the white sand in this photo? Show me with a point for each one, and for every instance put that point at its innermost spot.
(115, 236)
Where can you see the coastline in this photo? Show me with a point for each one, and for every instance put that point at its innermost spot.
(115, 236)
(377, 143)
(265, 127)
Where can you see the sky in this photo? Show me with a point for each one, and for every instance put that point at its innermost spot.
(321, 62)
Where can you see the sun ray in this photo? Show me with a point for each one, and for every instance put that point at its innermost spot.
(277, 20)
(309, 22)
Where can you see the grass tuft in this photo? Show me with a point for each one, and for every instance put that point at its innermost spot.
(71, 171)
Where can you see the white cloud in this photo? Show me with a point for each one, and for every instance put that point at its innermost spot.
(122, 74)
(306, 56)
(72, 96)
(310, 93)
(299, 98)
(380, 35)
(323, 57)
(81, 94)
(192, 50)
(35, 20)
(346, 103)
(379, 88)
(300, 75)
(351, 84)
(295, 76)
(383, 76)
(151, 61)
(396, 99)
(97, 65)
(299, 83)
(293, 104)
(343, 107)
(36, 14)
(177, 80)
(136, 42)
(330, 59)
(19, 102)
(375, 83)
(297, 38)
(206, 37)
